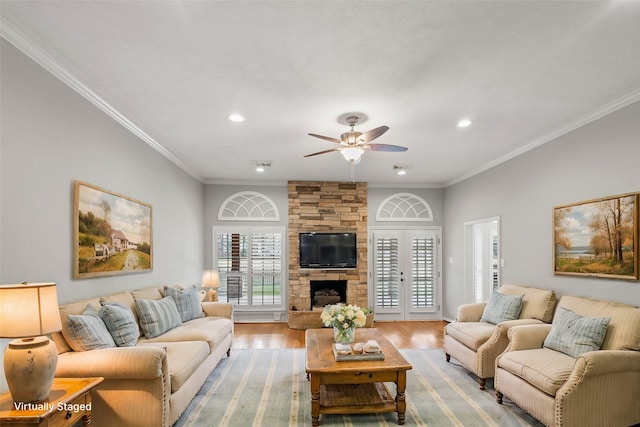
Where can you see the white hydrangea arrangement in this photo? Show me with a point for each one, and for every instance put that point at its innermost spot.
(343, 316)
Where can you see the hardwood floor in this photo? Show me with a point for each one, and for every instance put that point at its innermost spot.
(403, 334)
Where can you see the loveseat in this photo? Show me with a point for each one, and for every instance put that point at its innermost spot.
(582, 370)
(152, 368)
(479, 333)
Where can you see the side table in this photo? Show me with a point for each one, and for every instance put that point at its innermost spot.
(69, 401)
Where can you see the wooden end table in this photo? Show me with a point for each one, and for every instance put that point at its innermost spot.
(354, 387)
(69, 400)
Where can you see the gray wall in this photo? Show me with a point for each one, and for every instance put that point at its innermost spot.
(597, 160)
(51, 136)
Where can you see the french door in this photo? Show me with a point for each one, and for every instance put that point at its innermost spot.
(405, 274)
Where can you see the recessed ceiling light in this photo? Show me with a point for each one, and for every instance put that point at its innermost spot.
(464, 123)
(236, 118)
(261, 165)
(400, 170)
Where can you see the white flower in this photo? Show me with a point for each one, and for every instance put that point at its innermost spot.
(343, 316)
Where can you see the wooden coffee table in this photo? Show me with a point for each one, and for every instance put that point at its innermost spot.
(354, 387)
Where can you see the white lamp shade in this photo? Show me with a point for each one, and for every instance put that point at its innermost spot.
(28, 310)
(352, 154)
(210, 279)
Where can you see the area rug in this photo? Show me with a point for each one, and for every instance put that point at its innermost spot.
(269, 388)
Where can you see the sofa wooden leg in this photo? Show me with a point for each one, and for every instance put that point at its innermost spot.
(482, 382)
(229, 352)
(447, 356)
(498, 397)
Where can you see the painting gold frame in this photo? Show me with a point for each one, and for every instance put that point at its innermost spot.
(112, 233)
(597, 238)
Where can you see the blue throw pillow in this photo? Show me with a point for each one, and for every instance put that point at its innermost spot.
(574, 334)
(502, 307)
(121, 323)
(187, 301)
(87, 331)
(157, 316)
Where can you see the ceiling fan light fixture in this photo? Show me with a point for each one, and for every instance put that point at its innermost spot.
(352, 154)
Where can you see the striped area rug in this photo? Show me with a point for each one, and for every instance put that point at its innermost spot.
(269, 388)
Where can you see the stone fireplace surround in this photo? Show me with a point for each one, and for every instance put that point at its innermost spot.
(322, 207)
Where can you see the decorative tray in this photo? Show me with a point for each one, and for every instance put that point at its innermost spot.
(342, 354)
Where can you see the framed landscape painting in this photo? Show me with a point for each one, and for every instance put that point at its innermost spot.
(597, 238)
(112, 233)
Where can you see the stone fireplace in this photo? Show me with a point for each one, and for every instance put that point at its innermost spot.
(326, 206)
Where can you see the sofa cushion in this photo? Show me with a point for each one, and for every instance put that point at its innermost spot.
(120, 322)
(471, 334)
(157, 316)
(187, 301)
(536, 303)
(147, 293)
(87, 331)
(502, 307)
(544, 368)
(213, 330)
(183, 359)
(574, 334)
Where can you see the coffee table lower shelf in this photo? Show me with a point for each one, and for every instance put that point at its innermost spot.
(356, 399)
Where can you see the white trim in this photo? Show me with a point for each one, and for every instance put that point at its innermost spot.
(404, 207)
(248, 206)
(606, 109)
(26, 46)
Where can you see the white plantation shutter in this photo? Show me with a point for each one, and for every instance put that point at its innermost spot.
(423, 272)
(266, 268)
(250, 263)
(387, 272)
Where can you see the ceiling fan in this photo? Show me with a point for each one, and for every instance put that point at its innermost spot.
(353, 143)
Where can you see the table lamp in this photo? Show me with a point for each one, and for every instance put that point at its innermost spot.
(211, 280)
(28, 311)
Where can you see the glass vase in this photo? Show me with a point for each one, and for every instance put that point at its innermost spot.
(344, 336)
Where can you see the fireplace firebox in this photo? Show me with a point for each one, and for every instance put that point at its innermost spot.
(324, 292)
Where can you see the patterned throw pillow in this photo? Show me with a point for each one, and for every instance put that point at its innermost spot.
(502, 307)
(120, 322)
(87, 331)
(157, 316)
(574, 334)
(187, 301)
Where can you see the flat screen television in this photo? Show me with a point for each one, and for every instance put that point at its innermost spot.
(328, 250)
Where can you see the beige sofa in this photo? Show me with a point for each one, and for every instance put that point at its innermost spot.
(476, 344)
(151, 383)
(595, 388)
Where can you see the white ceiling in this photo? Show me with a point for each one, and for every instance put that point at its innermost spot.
(172, 71)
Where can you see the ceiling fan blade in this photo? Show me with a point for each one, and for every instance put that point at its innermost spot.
(326, 138)
(384, 147)
(373, 134)
(323, 152)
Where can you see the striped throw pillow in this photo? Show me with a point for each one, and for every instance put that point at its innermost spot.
(87, 331)
(187, 301)
(157, 316)
(574, 334)
(121, 323)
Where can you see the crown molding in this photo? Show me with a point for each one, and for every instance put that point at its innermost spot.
(26, 46)
(606, 109)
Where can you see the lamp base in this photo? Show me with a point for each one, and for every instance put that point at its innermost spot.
(212, 295)
(29, 366)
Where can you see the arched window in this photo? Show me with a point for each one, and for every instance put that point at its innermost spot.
(404, 207)
(248, 206)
